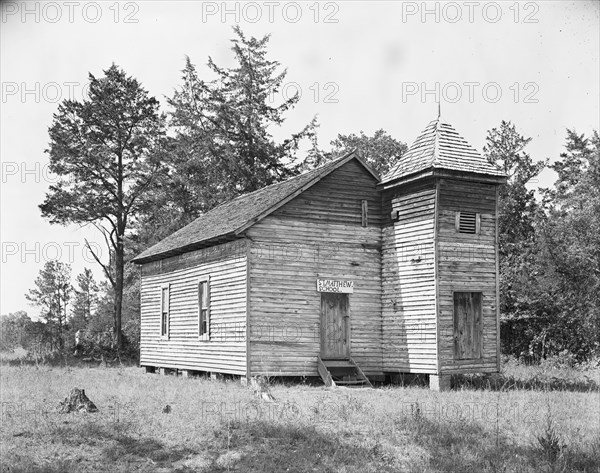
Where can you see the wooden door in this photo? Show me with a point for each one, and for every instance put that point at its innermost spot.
(468, 326)
(335, 325)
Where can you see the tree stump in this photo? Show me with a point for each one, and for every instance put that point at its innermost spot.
(77, 401)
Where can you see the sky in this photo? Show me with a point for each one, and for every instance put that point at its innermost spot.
(358, 66)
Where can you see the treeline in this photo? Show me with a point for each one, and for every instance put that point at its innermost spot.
(138, 174)
(74, 318)
(549, 249)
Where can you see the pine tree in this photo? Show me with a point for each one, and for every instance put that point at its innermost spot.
(222, 145)
(103, 151)
(518, 245)
(52, 294)
(571, 234)
(85, 300)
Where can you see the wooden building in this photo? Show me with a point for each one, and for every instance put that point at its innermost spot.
(336, 273)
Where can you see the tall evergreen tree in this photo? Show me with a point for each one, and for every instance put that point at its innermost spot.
(242, 117)
(52, 294)
(223, 144)
(518, 209)
(571, 234)
(85, 300)
(103, 151)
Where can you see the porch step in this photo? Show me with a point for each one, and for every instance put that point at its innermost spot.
(337, 363)
(342, 372)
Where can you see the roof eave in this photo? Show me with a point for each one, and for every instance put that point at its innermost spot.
(407, 178)
(449, 173)
(226, 237)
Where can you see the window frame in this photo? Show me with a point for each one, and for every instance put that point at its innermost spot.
(166, 334)
(203, 280)
(477, 222)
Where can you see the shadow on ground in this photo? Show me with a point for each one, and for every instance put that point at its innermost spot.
(404, 442)
(489, 382)
(416, 443)
(500, 382)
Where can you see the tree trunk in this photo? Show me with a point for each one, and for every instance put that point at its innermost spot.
(59, 317)
(119, 266)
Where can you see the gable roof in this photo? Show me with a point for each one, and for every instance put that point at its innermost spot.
(230, 219)
(439, 146)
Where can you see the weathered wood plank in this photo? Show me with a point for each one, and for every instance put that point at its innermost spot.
(226, 349)
(467, 263)
(321, 236)
(408, 281)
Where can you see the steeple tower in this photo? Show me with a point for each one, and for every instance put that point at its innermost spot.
(439, 257)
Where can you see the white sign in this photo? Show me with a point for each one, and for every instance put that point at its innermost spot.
(332, 285)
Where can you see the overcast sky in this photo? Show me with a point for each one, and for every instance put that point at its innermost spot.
(358, 66)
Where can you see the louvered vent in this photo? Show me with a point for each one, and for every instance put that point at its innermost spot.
(467, 222)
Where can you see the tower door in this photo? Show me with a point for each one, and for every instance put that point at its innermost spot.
(335, 325)
(468, 326)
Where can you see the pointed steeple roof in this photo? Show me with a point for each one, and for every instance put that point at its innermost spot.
(439, 146)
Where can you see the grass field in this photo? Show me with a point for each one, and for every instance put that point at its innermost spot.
(223, 426)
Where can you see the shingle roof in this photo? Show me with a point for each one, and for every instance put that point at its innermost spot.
(440, 146)
(233, 216)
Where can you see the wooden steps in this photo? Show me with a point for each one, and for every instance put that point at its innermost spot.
(342, 372)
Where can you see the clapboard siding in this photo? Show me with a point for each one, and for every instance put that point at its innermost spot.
(467, 263)
(408, 279)
(318, 234)
(337, 199)
(406, 263)
(225, 352)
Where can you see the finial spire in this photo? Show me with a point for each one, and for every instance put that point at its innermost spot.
(436, 145)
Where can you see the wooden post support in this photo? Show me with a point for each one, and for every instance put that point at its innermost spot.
(439, 382)
(243, 380)
(214, 376)
(166, 371)
(187, 373)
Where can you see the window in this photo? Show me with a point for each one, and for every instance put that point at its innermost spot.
(468, 222)
(204, 309)
(365, 213)
(164, 311)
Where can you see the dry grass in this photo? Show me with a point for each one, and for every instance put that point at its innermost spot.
(222, 426)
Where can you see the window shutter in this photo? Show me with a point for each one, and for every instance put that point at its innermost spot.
(204, 308)
(165, 311)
